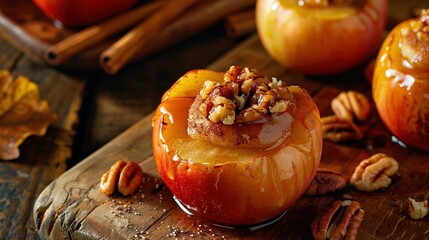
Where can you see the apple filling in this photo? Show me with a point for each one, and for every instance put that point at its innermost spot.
(238, 111)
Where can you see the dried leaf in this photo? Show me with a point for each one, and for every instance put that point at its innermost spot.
(22, 113)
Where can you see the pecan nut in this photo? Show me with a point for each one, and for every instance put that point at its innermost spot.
(374, 173)
(416, 210)
(351, 105)
(338, 129)
(123, 176)
(341, 221)
(326, 181)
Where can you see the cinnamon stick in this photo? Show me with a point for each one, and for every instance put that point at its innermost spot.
(197, 19)
(240, 24)
(121, 52)
(90, 36)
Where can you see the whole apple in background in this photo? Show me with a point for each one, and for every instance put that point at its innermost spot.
(401, 82)
(235, 185)
(321, 37)
(82, 12)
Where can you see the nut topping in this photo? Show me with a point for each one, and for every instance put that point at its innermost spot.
(415, 41)
(338, 129)
(245, 96)
(341, 221)
(374, 173)
(326, 181)
(125, 176)
(417, 210)
(351, 105)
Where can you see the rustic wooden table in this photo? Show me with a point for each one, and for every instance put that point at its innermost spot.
(94, 108)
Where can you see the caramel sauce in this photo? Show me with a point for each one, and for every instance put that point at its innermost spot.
(182, 147)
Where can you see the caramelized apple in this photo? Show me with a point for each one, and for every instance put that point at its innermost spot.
(228, 163)
(401, 81)
(321, 36)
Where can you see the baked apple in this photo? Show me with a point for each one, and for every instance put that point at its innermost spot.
(401, 81)
(321, 36)
(236, 148)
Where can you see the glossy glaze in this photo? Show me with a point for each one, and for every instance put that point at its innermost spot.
(401, 91)
(320, 40)
(236, 185)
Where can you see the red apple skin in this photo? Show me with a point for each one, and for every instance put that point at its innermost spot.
(82, 12)
(401, 92)
(227, 191)
(320, 40)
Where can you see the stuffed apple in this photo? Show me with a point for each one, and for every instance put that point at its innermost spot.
(236, 148)
(401, 81)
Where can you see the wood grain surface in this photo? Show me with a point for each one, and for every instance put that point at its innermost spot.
(42, 159)
(72, 207)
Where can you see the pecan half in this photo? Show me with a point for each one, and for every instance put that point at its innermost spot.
(341, 221)
(338, 129)
(326, 181)
(245, 96)
(416, 210)
(374, 173)
(123, 176)
(351, 105)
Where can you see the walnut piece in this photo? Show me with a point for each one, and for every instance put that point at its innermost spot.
(326, 181)
(338, 129)
(123, 176)
(351, 105)
(416, 210)
(245, 96)
(341, 221)
(374, 173)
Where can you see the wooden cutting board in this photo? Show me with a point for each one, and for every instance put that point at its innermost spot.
(73, 207)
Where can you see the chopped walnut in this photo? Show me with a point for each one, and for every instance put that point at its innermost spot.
(245, 96)
(374, 173)
(415, 41)
(341, 221)
(417, 210)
